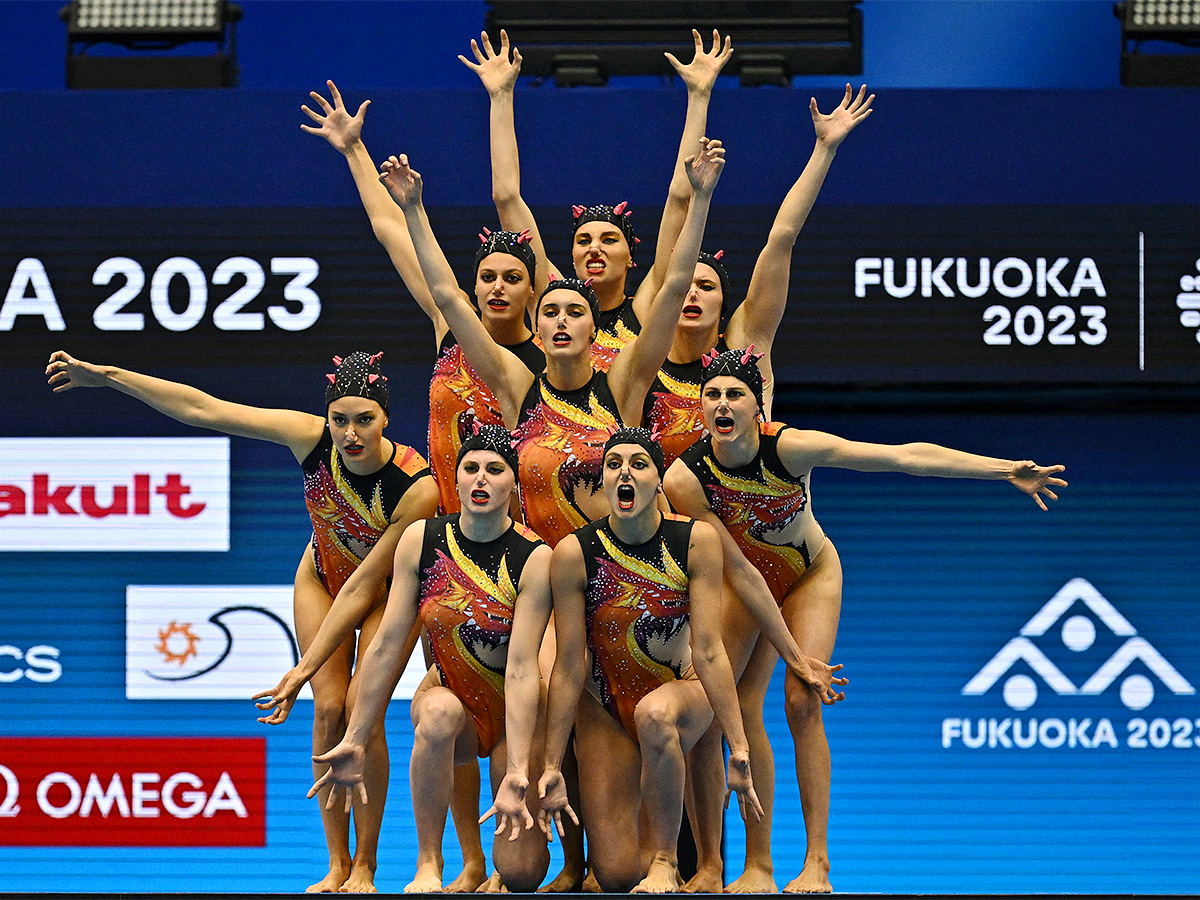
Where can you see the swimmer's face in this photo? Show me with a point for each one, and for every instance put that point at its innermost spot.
(601, 253)
(702, 306)
(485, 482)
(728, 407)
(502, 287)
(564, 323)
(356, 425)
(631, 480)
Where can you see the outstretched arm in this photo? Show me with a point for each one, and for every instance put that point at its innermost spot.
(568, 580)
(364, 589)
(635, 367)
(297, 431)
(344, 133)
(687, 497)
(756, 320)
(378, 671)
(802, 450)
(522, 693)
(498, 72)
(712, 663)
(498, 367)
(700, 75)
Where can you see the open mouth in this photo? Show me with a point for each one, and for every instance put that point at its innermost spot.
(692, 311)
(352, 449)
(480, 497)
(561, 339)
(724, 424)
(625, 496)
(596, 266)
(497, 303)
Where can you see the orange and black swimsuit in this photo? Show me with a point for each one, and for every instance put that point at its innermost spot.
(616, 328)
(675, 406)
(457, 398)
(754, 500)
(350, 512)
(468, 595)
(560, 451)
(637, 606)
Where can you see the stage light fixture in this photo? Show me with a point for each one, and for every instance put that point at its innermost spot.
(149, 31)
(1174, 21)
(584, 44)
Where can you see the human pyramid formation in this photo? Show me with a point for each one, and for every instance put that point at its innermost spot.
(663, 553)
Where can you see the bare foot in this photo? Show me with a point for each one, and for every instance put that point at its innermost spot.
(470, 879)
(568, 881)
(361, 880)
(663, 878)
(428, 880)
(333, 880)
(813, 879)
(591, 885)
(753, 881)
(493, 885)
(705, 881)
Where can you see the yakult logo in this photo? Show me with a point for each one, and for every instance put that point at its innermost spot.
(128, 494)
(961, 277)
(133, 791)
(1077, 632)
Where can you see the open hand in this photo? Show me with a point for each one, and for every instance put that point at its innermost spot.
(345, 771)
(552, 789)
(509, 806)
(278, 701)
(1032, 479)
(66, 372)
(495, 70)
(738, 781)
(335, 124)
(701, 73)
(832, 129)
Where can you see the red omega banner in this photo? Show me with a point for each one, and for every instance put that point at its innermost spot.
(133, 792)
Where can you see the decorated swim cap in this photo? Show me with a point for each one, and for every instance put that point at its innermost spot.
(713, 261)
(509, 242)
(490, 437)
(739, 364)
(582, 288)
(357, 375)
(619, 215)
(645, 438)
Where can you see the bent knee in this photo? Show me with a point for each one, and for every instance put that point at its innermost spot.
(657, 723)
(440, 718)
(329, 717)
(617, 876)
(801, 704)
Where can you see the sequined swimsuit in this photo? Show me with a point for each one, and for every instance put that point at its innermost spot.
(756, 500)
(468, 595)
(350, 512)
(560, 451)
(457, 398)
(637, 606)
(616, 328)
(675, 406)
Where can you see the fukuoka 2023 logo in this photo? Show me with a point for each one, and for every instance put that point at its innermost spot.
(1115, 666)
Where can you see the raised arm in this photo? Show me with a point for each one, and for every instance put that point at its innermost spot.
(499, 368)
(344, 133)
(756, 320)
(568, 580)
(365, 587)
(687, 497)
(802, 450)
(297, 431)
(522, 692)
(712, 663)
(498, 73)
(699, 76)
(635, 367)
(378, 671)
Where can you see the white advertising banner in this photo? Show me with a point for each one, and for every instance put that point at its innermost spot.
(114, 494)
(216, 642)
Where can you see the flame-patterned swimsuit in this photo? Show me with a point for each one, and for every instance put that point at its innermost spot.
(457, 398)
(561, 447)
(637, 606)
(350, 512)
(756, 500)
(616, 328)
(468, 595)
(675, 406)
